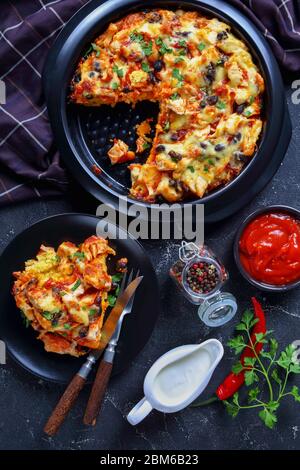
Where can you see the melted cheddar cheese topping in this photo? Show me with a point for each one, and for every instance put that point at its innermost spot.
(64, 294)
(208, 88)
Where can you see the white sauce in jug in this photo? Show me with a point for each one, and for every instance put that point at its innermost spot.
(177, 381)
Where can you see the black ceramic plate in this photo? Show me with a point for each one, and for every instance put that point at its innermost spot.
(84, 135)
(21, 342)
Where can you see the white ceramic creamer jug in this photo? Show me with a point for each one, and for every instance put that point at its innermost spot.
(177, 378)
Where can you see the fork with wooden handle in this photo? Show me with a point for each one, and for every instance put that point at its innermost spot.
(104, 371)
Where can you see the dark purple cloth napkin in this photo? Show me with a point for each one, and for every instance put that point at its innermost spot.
(29, 162)
(279, 22)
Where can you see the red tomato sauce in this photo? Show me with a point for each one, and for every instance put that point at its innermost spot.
(269, 249)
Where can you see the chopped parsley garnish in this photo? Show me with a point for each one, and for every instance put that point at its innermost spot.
(115, 85)
(167, 126)
(178, 59)
(117, 277)
(206, 169)
(182, 52)
(52, 316)
(146, 46)
(201, 46)
(146, 145)
(88, 51)
(175, 96)
(247, 113)
(118, 71)
(135, 36)
(26, 320)
(251, 100)
(76, 285)
(221, 105)
(163, 49)
(191, 168)
(210, 161)
(111, 300)
(182, 43)
(96, 48)
(67, 326)
(93, 312)
(48, 315)
(79, 255)
(145, 67)
(177, 74)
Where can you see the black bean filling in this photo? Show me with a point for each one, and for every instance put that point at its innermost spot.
(158, 65)
(77, 77)
(183, 34)
(212, 100)
(83, 332)
(160, 148)
(92, 74)
(240, 108)
(210, 73)
(219, 147)
(222, 35)
(155, 18)
(237, 137)
(152, 77)
(240, 157)
(97, 66)
(176, 157)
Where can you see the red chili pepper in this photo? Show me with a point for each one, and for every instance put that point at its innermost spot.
(234, 381)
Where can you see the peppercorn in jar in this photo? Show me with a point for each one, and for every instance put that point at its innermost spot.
(200, 276)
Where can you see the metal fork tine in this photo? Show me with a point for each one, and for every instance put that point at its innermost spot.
(123, 282)
(130, 303)
(130, 277)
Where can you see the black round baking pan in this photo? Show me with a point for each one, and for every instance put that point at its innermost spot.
(82, 134)
(282, 209)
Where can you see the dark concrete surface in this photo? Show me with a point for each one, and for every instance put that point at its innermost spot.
(26, 402)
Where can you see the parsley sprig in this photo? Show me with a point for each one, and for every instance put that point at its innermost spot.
(269, 368)
(163, 48)
(112, 297)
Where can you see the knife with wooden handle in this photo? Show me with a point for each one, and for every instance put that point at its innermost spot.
(72, 391)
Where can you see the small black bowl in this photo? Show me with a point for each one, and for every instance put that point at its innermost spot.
(261, 285)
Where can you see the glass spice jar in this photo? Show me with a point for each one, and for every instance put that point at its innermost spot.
(201, 276)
